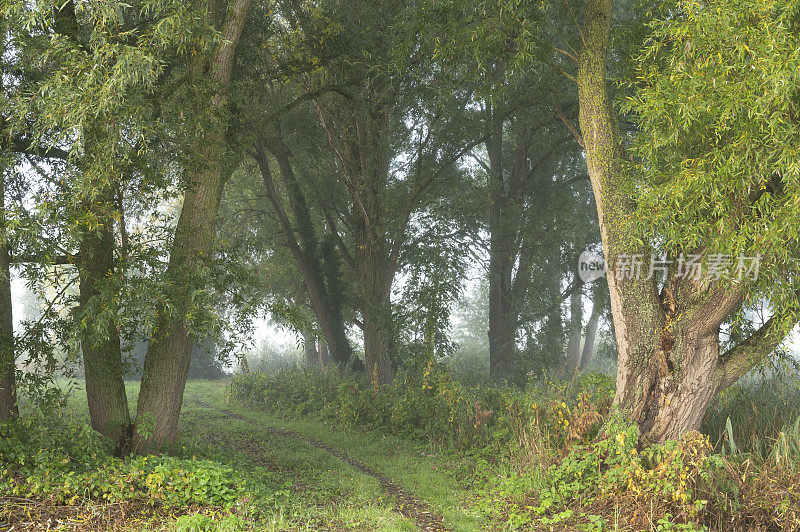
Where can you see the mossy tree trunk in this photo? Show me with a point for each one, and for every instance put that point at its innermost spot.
(100, 345)
(8, 381)
(168, 354)
(669, 360)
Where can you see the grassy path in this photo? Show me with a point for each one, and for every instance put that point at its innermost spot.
(409, 505)
(331, 479)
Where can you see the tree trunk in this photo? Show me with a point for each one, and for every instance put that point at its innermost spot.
(591, 337)
(377, 314)
(310, 348)
(166, 364)
(324, 356)
(679, 400)
(100, 345)
(8, 388)
(576, 326)
(634, 302)
(669, 366)
(502, 324)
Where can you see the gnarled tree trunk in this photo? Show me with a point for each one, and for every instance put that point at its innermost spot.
(669, 361)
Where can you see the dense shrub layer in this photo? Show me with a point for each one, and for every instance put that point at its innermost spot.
(434, 408)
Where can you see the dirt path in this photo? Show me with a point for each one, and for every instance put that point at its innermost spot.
(408, 505)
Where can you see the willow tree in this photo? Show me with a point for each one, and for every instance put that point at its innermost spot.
(205, 124)
(714, 173)
(88, 99)
(370, 139)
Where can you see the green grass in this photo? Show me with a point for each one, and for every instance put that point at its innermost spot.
(443, 480)
(321, 491)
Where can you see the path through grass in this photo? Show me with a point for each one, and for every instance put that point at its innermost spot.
(321, 492)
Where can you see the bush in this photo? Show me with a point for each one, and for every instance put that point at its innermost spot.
(62, 463)
(432, 407)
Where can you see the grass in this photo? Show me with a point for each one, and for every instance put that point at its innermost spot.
(759, 409)
(322, 492)
(443, 480)
(505, 480)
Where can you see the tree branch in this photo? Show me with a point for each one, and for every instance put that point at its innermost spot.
(739, 360)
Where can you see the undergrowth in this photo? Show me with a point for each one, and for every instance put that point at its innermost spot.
(59, 467)
(434, 408)
(554, 456)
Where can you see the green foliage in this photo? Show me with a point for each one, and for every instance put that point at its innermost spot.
(430, 406)
(716, 155)
(206, 523)
(63, 462)
(664, 477)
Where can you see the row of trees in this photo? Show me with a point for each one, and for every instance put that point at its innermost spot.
(341, 163)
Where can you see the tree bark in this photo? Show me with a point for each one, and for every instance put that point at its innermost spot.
(375, 281)
(8, 368)
(502, 325)
(166, 364)
(102, 356)
(502, 254)
(324, 356)
(669, 362)
(575, 326)
(310, 348)
(376, 261)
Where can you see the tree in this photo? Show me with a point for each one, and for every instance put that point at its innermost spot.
(383, 139)
(86, 99)
(317, 261)
(715, 174)
(209, 73)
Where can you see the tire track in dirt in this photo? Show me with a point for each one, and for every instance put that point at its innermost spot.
(410, 506)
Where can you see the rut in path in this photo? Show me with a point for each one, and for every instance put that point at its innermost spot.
(409, 505)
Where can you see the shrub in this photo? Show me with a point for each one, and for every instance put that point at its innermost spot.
(432, 407)
(61, 462)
